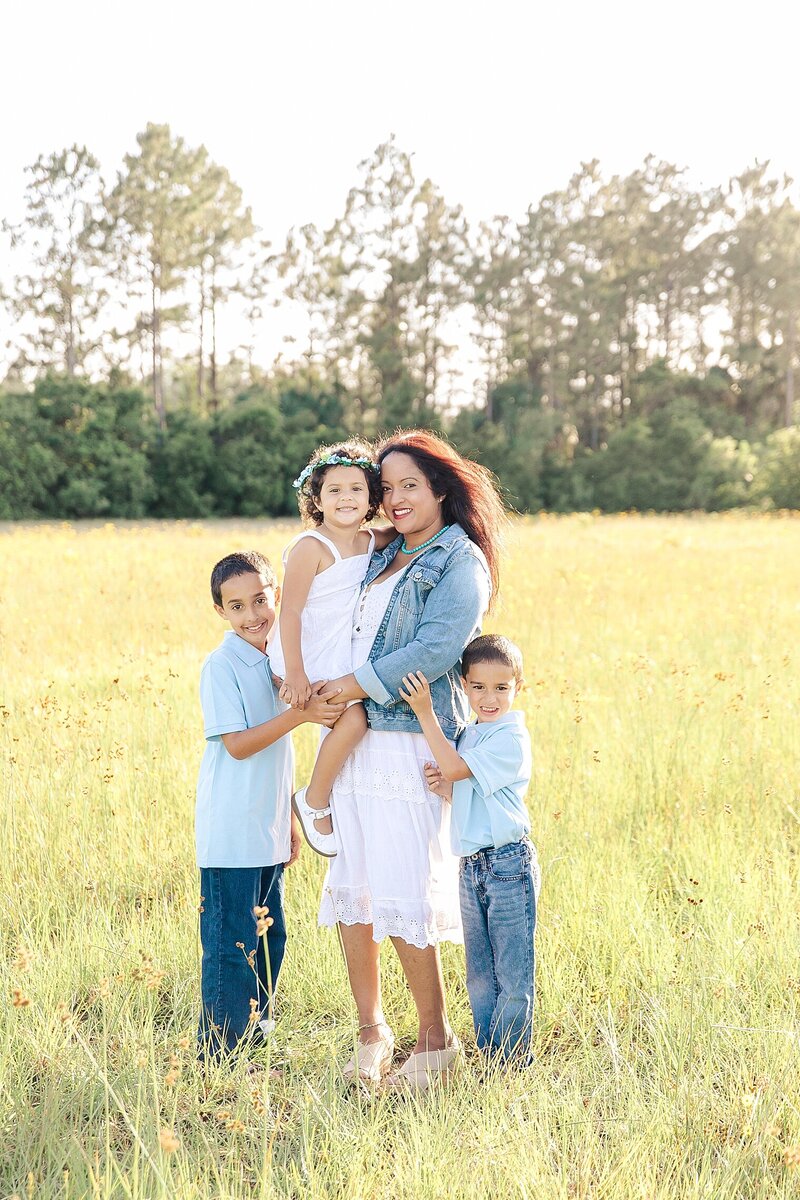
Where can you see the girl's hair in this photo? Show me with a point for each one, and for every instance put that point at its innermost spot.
(471, 498)
(313, 477)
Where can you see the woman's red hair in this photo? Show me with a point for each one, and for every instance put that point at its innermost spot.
(471, 498)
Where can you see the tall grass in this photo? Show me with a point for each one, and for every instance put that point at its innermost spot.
(662, 665)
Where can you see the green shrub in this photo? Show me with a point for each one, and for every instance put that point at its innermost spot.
(181, 462)
(779, 472)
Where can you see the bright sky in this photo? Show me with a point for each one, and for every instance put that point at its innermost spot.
(499, 101)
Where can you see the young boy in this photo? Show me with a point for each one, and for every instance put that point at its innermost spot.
(244, 830)
(487, 777)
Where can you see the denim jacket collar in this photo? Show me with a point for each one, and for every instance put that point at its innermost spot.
(381, 558)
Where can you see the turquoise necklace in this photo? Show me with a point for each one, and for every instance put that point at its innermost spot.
(405, 550)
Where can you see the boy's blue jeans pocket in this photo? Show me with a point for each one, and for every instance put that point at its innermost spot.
(498, 891)
(228, 982)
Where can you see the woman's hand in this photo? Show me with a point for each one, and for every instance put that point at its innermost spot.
(436, 781)
(417, 693)
(324, 710)
(295, 689)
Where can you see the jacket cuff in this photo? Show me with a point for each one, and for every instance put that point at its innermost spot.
(367, 678)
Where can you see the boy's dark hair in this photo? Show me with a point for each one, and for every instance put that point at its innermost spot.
(309, 493)
(243, 562)
(493, 647)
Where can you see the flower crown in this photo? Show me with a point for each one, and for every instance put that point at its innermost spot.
(334, 460)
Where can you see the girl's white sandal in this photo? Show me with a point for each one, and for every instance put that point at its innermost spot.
(371, 1060)
(322, 843)
(419, 1071)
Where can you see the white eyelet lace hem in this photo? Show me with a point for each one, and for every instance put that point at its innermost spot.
(418, 924)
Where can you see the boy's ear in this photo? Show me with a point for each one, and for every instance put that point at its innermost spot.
(464, 682)
(277, 593)
(221, 611)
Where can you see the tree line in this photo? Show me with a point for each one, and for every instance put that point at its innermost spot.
(636, 336)
(72, 449)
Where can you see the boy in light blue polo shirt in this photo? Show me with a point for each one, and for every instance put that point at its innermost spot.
(487, 776)
(245, 832)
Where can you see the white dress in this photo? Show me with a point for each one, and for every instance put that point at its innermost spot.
(394, 868)
(327, 622)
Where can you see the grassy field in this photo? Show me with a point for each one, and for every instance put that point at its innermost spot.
(662, 660)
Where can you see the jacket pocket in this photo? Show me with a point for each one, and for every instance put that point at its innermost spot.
(414, 592)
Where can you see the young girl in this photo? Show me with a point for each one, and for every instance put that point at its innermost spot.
(338, 491)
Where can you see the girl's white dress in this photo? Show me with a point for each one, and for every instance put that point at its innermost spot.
(327, 621)
(394, 868)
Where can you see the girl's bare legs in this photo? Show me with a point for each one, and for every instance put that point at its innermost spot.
(363, 968)
(335, 747)
(423, 972)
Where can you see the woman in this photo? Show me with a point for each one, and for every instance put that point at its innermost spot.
(423, 600)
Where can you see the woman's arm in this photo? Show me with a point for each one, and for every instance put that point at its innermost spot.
(450, 617)
(301, 568)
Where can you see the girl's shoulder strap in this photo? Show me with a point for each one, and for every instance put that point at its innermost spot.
(320, 537)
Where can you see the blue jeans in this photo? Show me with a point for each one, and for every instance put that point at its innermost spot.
(498, 891)
(228, 982)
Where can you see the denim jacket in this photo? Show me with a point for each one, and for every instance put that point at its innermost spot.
(435, 609)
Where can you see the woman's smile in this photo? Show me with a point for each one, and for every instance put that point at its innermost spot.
(408, 499)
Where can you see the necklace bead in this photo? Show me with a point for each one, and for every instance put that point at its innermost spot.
(405, 550)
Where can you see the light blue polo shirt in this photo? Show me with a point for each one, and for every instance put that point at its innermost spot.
(243, 811)
(489, 807)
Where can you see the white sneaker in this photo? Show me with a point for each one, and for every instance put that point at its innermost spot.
(322, 843)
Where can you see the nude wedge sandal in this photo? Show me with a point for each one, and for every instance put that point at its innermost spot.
(421, 1070)
(371, 1061)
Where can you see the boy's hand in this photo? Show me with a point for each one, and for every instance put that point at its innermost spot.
(417, 693)
(295, 689)
(296, 841)
(324, 712)
(436, 781)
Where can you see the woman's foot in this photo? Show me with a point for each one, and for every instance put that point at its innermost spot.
(424, 1067)
(322, 843)
(372, 1059)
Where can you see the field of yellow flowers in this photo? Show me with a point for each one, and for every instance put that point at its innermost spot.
(662, 661)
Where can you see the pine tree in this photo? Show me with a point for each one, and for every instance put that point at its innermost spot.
(57, 303)
(153, 217)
